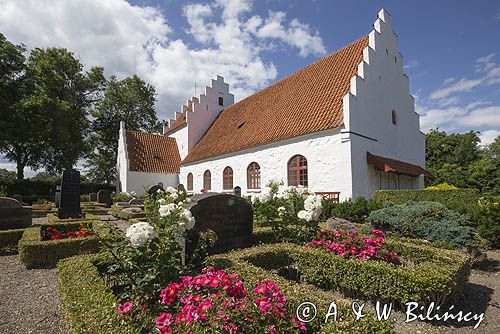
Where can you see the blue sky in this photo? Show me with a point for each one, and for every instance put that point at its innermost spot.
(451, 49)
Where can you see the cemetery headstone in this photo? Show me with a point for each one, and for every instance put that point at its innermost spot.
(123, 204)
(335, 223)
(136, 201)
(13, 215)
(57, 196)
(69, 206)
(153, 190)
(227, 218)
(180, 187)
(104, 197)
(237, 191)
(93, 197)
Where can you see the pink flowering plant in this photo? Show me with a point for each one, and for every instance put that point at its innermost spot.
(217, 302)
(350, 244)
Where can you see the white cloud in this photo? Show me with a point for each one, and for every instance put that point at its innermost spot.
(487, 137)
(127, 39)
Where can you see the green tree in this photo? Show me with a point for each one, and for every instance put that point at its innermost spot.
(46, 177)
(130, 100)
(63, 94)
(7, 175)
(21, 126)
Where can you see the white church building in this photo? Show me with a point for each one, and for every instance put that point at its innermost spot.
(344, 126)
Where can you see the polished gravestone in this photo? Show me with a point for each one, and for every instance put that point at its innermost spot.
(69, 205)
(93, 197)
(57, 196)
(237, 191)
(13, 215)
(226, 217)
(136, 201)
(104, 197)
(153, 190)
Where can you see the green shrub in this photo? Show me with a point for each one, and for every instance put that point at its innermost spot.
(53, 219)
(486, 218)
(356, 210)
(458, 199)
(428, 273)
(88, 306)
(441, 186)
(122, 197)
(118, 212)
(84, 198)
(9, 240)
(428, 220)
(296, 293)
(35, 252)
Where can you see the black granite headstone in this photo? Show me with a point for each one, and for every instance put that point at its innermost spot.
(229, 218)
(180, 187)
(104, 197)
(69, 206)
(13, 215)
(153, 190)
(93, 197)
(237, 191)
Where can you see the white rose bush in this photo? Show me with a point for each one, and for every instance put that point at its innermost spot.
(148, 254)
(292, 212)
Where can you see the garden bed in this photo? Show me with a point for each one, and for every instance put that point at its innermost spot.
(88, 218)
(36, 252)
(9, 240)
(428, 273)
(118, 212)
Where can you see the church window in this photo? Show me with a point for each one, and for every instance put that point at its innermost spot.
(297, 171)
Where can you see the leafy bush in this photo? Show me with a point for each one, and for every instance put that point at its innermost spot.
(123, 197)
(84, 198)
(291, 212)
(356, 210)
(458, 199)
(486, 219)
(427, 274)
(441, 186)
(3, 190)
(428, 220)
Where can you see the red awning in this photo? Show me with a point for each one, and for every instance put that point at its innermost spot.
(387, 165)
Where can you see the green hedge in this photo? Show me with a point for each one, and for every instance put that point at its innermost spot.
(456, 199)
(42, 213)
(429, 273)
(89, 218)
(88, 306)
(297, 293)
(9, 240)
(35, 252)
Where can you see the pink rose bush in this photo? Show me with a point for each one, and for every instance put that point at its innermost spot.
(352, 245)
(216, 301)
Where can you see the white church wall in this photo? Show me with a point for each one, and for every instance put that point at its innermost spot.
(139, 182)
(379, 88)
(181, 137)
(327, 157)
(206, 109)
(122, 160)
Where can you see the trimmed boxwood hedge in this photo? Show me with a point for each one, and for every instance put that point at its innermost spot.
(89, 218)
(431, 274)
(9, 240)
(118, 212)
(88, 306)
(297, 293)
(34, 252)
(456, 199)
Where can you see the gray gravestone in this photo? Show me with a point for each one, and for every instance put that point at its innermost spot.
(335, 223)
(136, 201)
(69, 206)
(229, 217)
(93, 197)
(104, 197)
(123, 204)
(13, 215)
(153, 190)
(57, 196)
(237, 191)
(180, 187)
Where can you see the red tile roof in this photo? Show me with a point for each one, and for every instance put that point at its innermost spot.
(388, 165)
(152, 153)
(307, 101)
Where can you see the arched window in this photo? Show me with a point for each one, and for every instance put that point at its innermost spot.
(253, 176)
(227, 178)
(297, 171)
(221, 101)
(207, 180)
(190, 182)
(394, 117)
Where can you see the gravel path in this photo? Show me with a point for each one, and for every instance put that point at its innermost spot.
(29, 301)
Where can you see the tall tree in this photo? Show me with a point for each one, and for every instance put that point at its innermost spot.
(21, 126)
(130, 100)
(63, 93)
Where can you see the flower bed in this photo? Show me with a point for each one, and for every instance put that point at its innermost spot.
(65, 232)
(9, 240)
(36, 252)
(427, 274)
